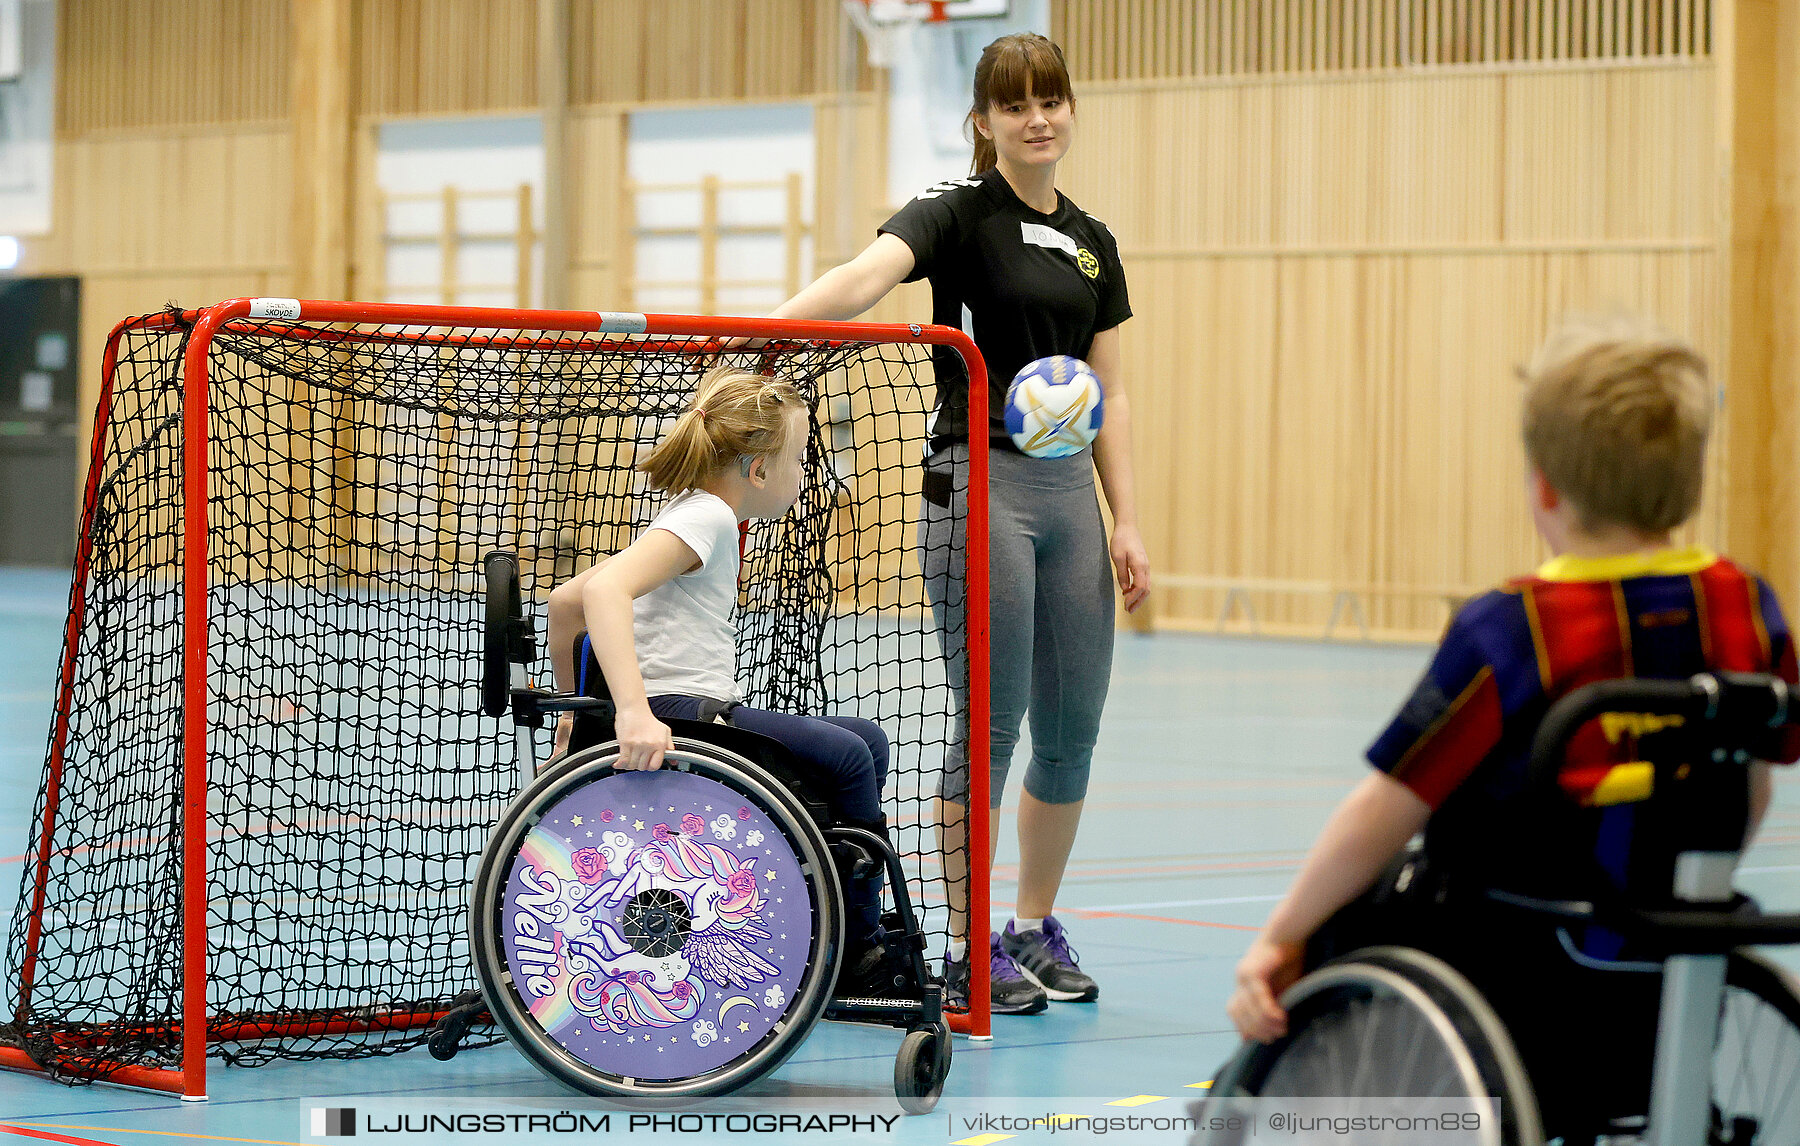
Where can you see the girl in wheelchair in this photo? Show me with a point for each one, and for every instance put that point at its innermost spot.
(1616, 418)
(660, 615)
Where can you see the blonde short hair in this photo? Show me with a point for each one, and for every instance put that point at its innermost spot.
(735, 414)
(1616, 419)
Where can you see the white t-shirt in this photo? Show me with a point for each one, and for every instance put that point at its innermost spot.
(686, 642)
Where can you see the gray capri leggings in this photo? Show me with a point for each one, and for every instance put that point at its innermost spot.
(1050, 617)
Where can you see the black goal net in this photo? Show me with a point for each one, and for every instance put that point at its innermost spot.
(356, 474)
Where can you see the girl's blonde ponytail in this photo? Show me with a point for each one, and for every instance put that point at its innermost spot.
(735, 413)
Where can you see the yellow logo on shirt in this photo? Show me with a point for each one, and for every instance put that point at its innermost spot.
(1090, 266)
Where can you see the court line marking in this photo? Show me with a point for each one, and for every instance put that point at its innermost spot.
(1180, 903)
(1090, 913)
(26, 1132)
(1009, 871)
(1139, 1100)
(122, 1130)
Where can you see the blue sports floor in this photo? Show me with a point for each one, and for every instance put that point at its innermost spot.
(1219, 760)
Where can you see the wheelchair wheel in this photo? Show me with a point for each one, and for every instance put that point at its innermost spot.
(921, 1068)
(657, 934)
(1386, 1022)
(1756, 1063)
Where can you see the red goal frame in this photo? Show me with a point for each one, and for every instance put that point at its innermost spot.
(190, 1080)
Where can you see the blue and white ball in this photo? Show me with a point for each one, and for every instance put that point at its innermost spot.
(1054, 407)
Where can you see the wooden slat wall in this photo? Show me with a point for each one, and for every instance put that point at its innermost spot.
(446, 57)
(1379, 206)
(128, 63)
(1139, 39)
(597, 152)
(1328, 312)
(632, 51)
(207, 218)
(162, 63)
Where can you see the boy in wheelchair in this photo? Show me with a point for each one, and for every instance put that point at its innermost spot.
(1615, 421)
(661, 618)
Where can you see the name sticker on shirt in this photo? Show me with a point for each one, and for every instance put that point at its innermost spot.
(1038, 235)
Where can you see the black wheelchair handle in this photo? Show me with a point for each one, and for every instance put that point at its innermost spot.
(508, 637)
(1699, 932)
(1679, 931)
(1741, 705)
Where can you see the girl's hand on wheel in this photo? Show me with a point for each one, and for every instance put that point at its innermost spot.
(642, 740)
(1265, 971)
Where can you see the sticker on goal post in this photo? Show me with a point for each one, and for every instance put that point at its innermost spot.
(285, 308)
(622, 322)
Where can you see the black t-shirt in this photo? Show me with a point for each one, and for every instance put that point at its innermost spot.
(1022, 284)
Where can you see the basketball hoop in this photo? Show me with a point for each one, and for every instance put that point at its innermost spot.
(880, 21)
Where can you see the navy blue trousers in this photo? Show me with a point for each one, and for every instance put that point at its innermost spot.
(852, 751)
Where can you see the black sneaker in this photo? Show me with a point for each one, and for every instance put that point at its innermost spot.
(1045, 957)
(877, 971)
(1010, 993)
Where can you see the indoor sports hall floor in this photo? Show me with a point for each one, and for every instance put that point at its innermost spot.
(1219, 760)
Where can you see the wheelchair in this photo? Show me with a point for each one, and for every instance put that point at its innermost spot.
(1724, 1052)
(672, 934)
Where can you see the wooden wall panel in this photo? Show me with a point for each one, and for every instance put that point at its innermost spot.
(1384, 162)
(1338, 245)
(204, 199)
(138, 63)
(446, 57)
(207, 217)
(1163, 39)
(1759, 124)
(850, 166)
(633, 51)
(1329, 313)
(1610, 155)
(596, 159)
(130, 64)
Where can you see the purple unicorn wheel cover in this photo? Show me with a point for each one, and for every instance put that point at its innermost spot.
(656, 924)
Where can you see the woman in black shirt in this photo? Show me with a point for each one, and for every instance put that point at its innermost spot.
(1026, 274)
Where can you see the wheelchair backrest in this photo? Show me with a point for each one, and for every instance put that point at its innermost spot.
(1683, 784)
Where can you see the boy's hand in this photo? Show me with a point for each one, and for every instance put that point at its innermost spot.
(642, 740)
(1265, 971)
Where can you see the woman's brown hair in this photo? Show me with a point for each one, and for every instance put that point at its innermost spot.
(735, 414)
(1011, 68)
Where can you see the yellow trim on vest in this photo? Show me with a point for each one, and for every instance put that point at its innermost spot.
(1624, 784)
(1660, 562)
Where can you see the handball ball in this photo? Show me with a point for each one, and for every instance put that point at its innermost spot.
(1053, 407)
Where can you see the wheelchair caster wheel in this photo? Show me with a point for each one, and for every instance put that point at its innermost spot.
(921, 1068)
(446, 1038)
(443, 1045)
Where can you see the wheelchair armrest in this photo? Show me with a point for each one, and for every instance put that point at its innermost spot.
(1691, 932)
(1676, 931)
(529, 705)
(1576, 910)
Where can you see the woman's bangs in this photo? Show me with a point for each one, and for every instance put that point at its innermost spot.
(1028, 69)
